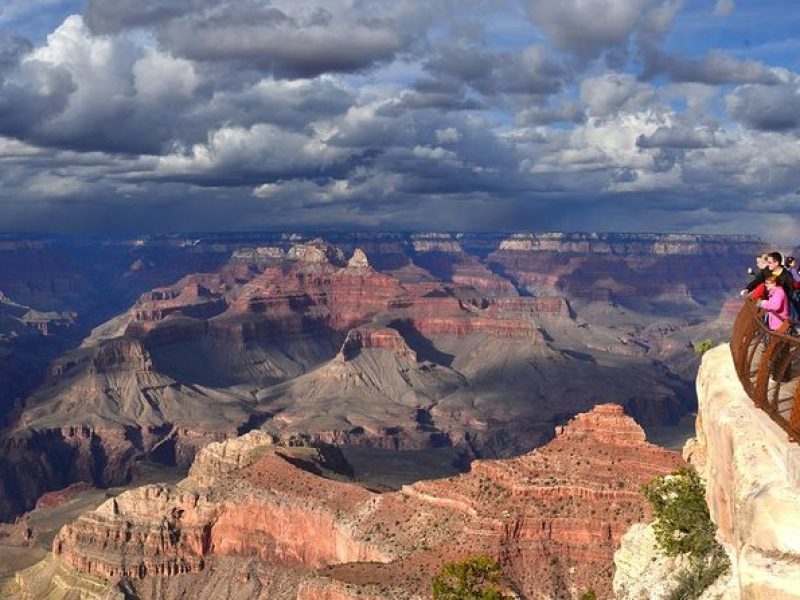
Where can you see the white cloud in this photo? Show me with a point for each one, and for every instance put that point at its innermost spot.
(448, 135)
(431, 153)
(612, 92)
(262, 148)
(157, 76)
(605, 144)
(15, 149)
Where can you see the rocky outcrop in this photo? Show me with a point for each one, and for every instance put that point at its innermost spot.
(552, 518)
(752, 472)
(373, 337)
(644, 572)
(120, 354)
(358, 260)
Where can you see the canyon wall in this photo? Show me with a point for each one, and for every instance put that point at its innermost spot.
(753, 482)
(752, 474)
(551, 518)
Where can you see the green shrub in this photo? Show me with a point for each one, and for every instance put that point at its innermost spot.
(703, 346)
(692, 582)
(589, 594)
(683, 526)
(474, 578)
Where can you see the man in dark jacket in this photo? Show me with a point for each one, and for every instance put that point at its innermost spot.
(784, 279)
(774, 267)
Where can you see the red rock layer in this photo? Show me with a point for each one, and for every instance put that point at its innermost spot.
(375, 337)
(552, 518)
(310, 290)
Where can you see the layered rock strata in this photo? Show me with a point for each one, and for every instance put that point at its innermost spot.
(259, 341)
(552, 518)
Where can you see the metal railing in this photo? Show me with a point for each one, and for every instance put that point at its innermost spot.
(768, 365)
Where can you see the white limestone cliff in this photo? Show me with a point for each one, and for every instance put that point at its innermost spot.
(752, 474)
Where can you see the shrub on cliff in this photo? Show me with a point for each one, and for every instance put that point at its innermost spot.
(475, 578)
(703, 346)
(683, 526)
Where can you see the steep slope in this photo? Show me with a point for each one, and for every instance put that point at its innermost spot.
(375, 392)
(553, 519)
(102, 410)
(300, 339)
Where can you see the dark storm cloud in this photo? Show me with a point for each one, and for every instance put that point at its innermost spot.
(768, 108)
(290, 105)
(113, 16)
(469, 77)
(715, 68)
(286, 51)
(24, 107)
(561, 112)
(288, 39)
(445, 93)
(12, 48)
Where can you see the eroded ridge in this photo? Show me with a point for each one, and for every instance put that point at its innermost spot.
(552, 517)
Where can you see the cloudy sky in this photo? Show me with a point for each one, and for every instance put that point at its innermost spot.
(123, 116)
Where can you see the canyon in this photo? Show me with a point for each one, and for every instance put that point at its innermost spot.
(240, 525)
(478, 342)
(325, 393)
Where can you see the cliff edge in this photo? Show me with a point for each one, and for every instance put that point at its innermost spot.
(752, 475)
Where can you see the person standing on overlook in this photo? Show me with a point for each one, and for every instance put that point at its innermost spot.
(776, 303)
(774, 267)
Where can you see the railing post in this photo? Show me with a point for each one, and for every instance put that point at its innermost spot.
(794, 418)
(764, 372)
(777, 361)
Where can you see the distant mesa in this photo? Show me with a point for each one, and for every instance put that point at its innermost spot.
(316, 251)
(436, 242)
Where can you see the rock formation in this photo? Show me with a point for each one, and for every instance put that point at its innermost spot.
(752, 472)
(418, 340)
(644, 572)
(552, 518)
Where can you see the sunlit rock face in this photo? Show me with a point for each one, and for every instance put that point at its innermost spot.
(643, 572)
(552, 518)
(753, 482)
(481, 342)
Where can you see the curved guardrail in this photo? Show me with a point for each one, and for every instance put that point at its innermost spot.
(768, 365)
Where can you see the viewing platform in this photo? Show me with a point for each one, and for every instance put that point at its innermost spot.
(768, 365)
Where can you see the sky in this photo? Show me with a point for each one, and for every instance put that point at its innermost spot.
(123, 117)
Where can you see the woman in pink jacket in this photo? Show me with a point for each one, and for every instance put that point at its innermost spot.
(776, 303)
